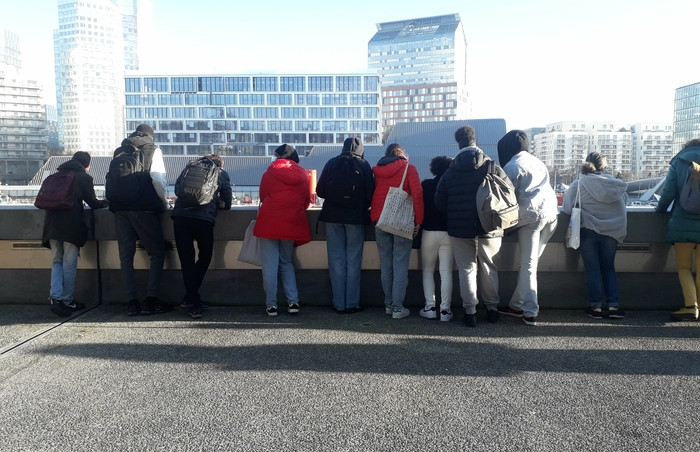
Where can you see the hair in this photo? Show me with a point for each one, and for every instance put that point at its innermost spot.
(395, 149)
(216, 159)
(439, 164)
(692, 143)
(595, 162)
(465, 137)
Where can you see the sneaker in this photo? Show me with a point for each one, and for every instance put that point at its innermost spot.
(340, 311)
(470, 320)
(74, 305)
(428, 313)
(195, 313)
(355, 309)
(59, 308)
(445, 316)
(293, 308)
(388, 310)
(686, 313)
(507, 310)
(614, 312)
(595, 313)
(271, 311)
(400, 313)
(153, 305)
(532, 321)
(492, 315)
(187, 304)
(134, 308)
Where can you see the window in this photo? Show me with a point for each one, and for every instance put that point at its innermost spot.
(155, 84)
(264, 83)
(349, 112)
(320, 138)
(293, 138)
(335, 99)
(170, 99)
(183, 85)
(185, 137)
(225, 125)
(265, 112)
(308, 125)
(197, 125)
(348, 83)
(223, 99)
(307, 99)
(196, 99)
(335, 126)
(132, 85)
(371, 83)
(320, 83)
(184, 112)
(251, 99)
(266, 138)
(292, 84)
(237, 84)
(238, 112)
(170, 125)
(253, 125)
(321, 112)
(294, 112)
(364, 99)
(279, 125)
(161, 137)
(134, 99)
(279, 99)
(211, 84)
(211, 138)
(152, 112)
(363, 125)
(211, 112)
(170, 149)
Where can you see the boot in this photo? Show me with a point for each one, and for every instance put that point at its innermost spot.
(686, 313)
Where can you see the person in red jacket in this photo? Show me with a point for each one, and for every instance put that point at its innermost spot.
(395, 251)
(282, 225)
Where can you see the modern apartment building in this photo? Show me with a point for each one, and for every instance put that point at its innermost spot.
(94, 42)
(422, 66)
(686, 122)
(253, 114)
(652, 149)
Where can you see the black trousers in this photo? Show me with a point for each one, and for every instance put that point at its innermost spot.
(188, 231)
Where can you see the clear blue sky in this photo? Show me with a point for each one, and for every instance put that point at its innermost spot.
(531, 62)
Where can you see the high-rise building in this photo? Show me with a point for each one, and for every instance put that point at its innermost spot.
(686, 122)
(23, 134)
(652, 149)
(94, 42)
(253, 114)
(422, 67)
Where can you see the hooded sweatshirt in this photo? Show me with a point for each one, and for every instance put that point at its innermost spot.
(603, 204)
(388, 173)
(683, 227)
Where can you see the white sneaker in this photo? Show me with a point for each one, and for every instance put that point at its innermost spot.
(445, 316)
(428, 313)
(388, 310)
(400, 313)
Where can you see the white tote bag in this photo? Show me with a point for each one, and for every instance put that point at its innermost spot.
(397, 216)
(573, 233)
(250, 249)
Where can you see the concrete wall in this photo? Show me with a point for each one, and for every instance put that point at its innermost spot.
(645, 264)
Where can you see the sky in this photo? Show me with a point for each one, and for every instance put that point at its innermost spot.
(531, 62)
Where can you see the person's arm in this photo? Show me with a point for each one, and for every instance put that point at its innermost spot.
(669, 192)
(158, 177)
(225, 191)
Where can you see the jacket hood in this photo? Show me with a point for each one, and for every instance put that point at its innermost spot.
(512, 143)
(469, 159)
(137, 139)
(687, 155)
(72, 165)
(288, 172)
(354, 147)
(388, 166)
(603, 187)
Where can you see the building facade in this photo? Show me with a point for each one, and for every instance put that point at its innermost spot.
(253, 114)
(652, 149)
(422, 66)
(686, 121)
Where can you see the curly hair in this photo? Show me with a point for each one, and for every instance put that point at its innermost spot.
(439, 164)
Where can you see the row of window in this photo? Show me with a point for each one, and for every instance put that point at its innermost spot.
(256, 83)
(255, 112)
(313, 126)
(251, 99)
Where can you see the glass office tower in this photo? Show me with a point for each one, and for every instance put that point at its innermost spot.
(686, 122)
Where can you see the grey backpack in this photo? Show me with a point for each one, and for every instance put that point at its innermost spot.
(496, 202)
(689, 197)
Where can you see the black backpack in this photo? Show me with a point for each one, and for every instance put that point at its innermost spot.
(57, 191)
(198, 182)
(344, 184)
(128, 179)
(689, 196)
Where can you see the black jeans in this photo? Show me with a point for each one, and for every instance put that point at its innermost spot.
(188, 231)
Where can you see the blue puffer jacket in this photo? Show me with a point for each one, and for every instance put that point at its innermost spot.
(682, 227)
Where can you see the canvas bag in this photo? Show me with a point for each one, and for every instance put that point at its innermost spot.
(57, 191)
(573, 232)
(689, 197)
(250, 249)
(397, 216)
(198, 182)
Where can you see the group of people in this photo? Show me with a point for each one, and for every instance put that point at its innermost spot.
(445, 216)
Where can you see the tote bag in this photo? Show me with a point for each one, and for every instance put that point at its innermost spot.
(250, 250)
(573, 233)
(397, 216)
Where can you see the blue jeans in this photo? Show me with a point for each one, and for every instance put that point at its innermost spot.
(277, 262)
(394, 256)
(598, 254)
(345, 243)
(63, 269)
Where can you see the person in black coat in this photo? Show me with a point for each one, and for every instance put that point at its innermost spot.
(65, 232)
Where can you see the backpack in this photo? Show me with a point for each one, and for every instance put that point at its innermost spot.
(57, 191)
(496, 202)
(198, 182)
(344, 182)
(689, 197)
(125, 181)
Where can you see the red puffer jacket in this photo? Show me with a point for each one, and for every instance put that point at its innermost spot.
(285, 195)
(388, 173)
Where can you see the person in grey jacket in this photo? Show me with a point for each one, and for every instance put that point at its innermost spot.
(683, 229)
(603, 200)
(537, 219)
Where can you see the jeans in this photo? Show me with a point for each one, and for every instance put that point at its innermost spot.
(344, 243)
(187, 231)
(436, 245)
(277, 263)
(475, 262)
(144, 226)
(532, 239)
(394, 256)
(63, 269)
(598, 254)
(684, 263)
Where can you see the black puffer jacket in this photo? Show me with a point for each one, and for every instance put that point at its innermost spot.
(68, 225)
(208, 212)
(456, 193)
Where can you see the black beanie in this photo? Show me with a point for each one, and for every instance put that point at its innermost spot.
(287, 152)
(83, 158)
(146, 130)
(512, 143)
(353, 146)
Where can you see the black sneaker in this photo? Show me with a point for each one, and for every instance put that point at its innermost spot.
(293, 308)
(492, 315)
(595, 313)
(153, 305)
(532, 321)
(195, 313)
(615, 313)
(271, 311)
(470, 320)
(134, 308)
(355, 309)
(507, 310)
(59, 308)
(74, 305)
(187, 304)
